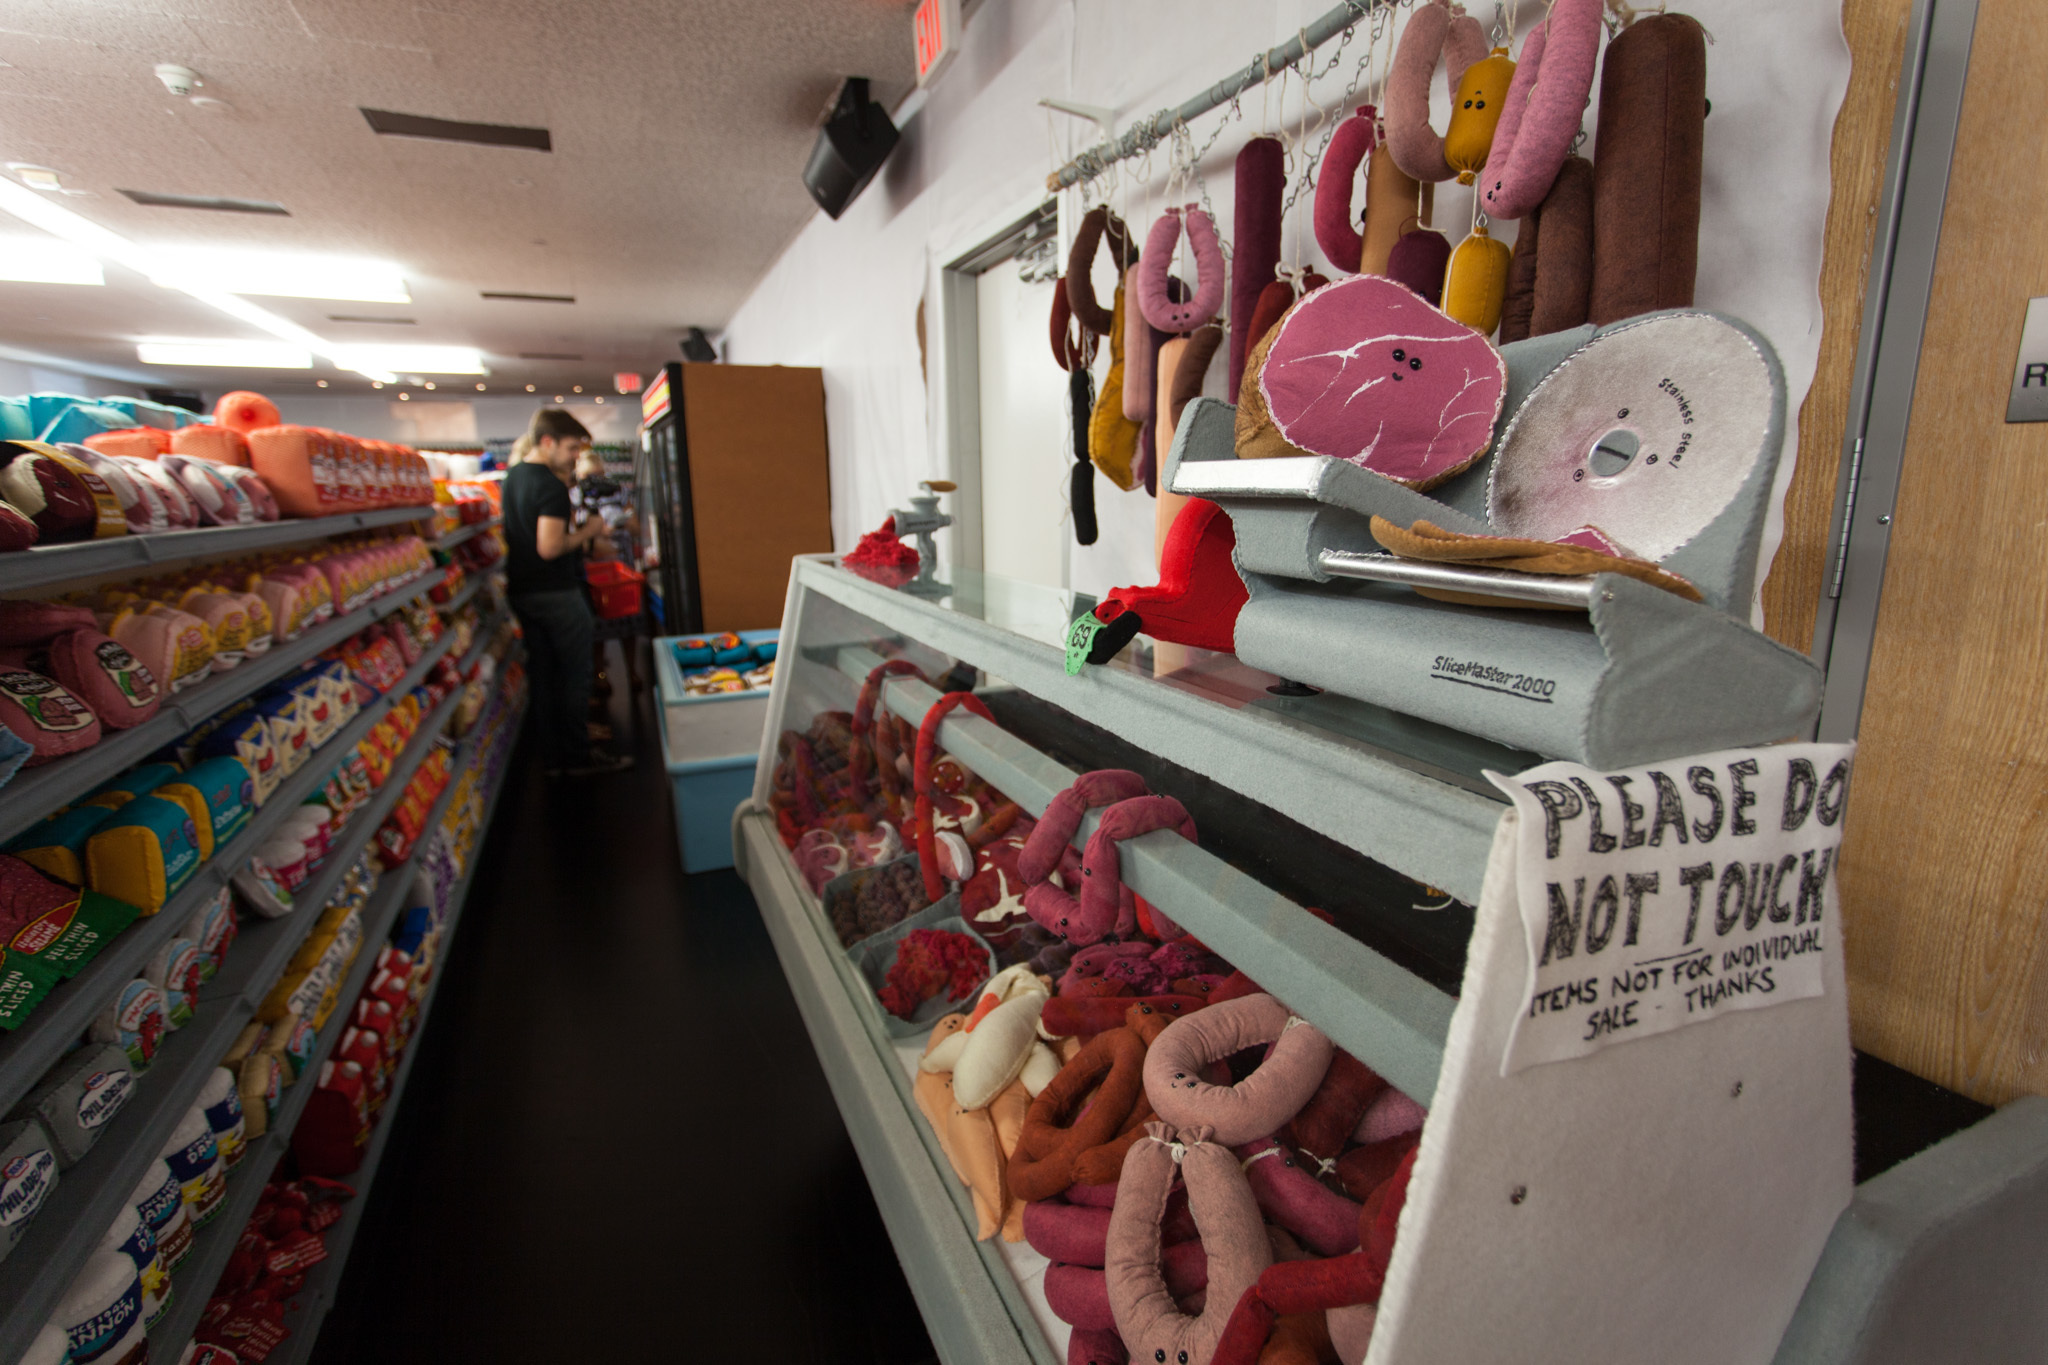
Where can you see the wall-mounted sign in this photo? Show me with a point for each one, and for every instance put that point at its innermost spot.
(657, 400)
(937, 28)
(2029, 401)
(625, 381)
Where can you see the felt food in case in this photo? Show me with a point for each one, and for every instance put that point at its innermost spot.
(28, 1172)
(223, 1110)
(102, 672)
(140, 503)
(56, 491)
(247, 737)
(289, 612)
(219, 444)
(244, 411)
(101, 1313)
(160, 1202)
(128, 1238)
(77, 1098)
(43, 712)
(221, 788)
(141, 443)
(175, 969)
(213, 928)
(262, 505)
(188, 799)
(301, 468)
(144, 854)
(56, 846)
(134, 1022)
(291, 729)
(178, 505)
(53, 928)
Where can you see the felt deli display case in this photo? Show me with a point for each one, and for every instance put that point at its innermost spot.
(1342, 854)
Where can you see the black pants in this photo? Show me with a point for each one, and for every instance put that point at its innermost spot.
(560, 631)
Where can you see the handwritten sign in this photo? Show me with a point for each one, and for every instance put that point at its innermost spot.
(1659, 897)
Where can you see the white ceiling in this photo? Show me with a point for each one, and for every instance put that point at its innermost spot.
(680, 130)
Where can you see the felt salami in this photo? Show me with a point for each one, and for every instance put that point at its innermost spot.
(1545, 105)
(1364, 371)
(1433, 31)
(1261, 182)
(65, 500)
(1646, 180)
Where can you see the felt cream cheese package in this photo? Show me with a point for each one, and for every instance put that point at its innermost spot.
(134, 1022)
(174, 969)
(131, 1237)
(160, 1201)
(145, 854)
(28, 1172)
(194, 1158)
(78, 1097)
(221, 796)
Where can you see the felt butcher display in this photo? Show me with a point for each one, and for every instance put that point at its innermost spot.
(1362, 370)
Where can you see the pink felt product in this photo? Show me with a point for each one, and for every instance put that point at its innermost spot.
(1079, 1296)
(1052, 907)
(1233, 1234)
(1418, 262)
(1094, 961)
(1154, 298)
(34, 623)
(1259, 1104)
(252, 487)
(1103, 900)
(101, 672)
(1363, 370)
(1141, 355)
(178, 504)
(1546, 103)
(141, 508)
(1433, 31)
(1090, 1346)
(1261, 183)
(1336, 230)
(1071, 1233)
(1092, 1196)
(220, 502)
(1325, 1221)
(1390, 1115)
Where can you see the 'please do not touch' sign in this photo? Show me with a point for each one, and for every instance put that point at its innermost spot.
(1658, 897)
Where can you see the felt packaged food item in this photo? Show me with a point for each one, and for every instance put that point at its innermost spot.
(179, 508)
(160, 1202)
(74, 1102)
(57, 845)
(262, 627)
(221, 791)
(101, 672)
(1434, 31)
(1546, 102)
(141, 505)
(220, 444)
(1364, 371)
(173, 645)
(142, 443)
(58, 928)
(244, 411)
(102, 1312)
(259, 1086)
(226, 622)
(56, 491)
(1476, 281)
(246, 736)
(37, 623)
(1651, 141)
(131, 1237)
(261, 890)
(213, 928)
(285, 856)
(135, 782)
(221, 502)
(289, 717)
(44, 713)
(1261, 181)
(52, 1346)
(223, 1109)
(194, 1158)
(291, 1041)
(23, 984)
(1475, 113)
(174, 969)
(262, 505)
(144, 854)
(134, 1022)
(301, 468)
(28, 1172)
(17, 532)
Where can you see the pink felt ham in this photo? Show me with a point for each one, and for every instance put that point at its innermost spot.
(252, 487)
(1545, 105)
(141, 504)
(1336, 233)
(1365, 371)
(24, 623)
(179, 508)
(1153, 297)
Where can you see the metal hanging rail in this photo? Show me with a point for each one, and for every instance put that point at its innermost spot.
(1262, 68)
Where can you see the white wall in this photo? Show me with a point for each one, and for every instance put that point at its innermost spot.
(424, 421)
(844, 295)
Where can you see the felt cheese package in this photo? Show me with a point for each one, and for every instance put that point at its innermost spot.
(213, 928)
(133, 1022)
(28, 1172)
(102, 673)
(246, 736)
(43, 712)
(77, 1098)
(131, 784)
(175, 970)
(220, 789)
(145, 854)
(57, 845)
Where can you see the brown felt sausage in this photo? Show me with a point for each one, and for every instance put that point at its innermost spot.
(1520, 304)
(1646, 182)
(1080, 288)
(1564, 273)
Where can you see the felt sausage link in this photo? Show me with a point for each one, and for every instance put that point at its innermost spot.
(1113, 439)
(1432, 32)
(921, 779)
(1332, 1114)
(1353, 141)
(1111, 1067)
(1646, 178)
(1261, 182)
(1255, 1106)
(1072, 343)
(1102, 903)
(860, 755)
(1193, 368)
(1097, 223)
(1545, 105)
(1153, 296)
(1290, 1196)
(1081, 494)
(1051, 907)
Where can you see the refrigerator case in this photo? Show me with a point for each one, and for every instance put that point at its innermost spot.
(731, 483)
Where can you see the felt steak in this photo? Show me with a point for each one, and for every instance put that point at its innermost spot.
(17, 532)
(1364, 371)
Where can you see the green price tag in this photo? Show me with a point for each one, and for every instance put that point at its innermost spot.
(1080, 640)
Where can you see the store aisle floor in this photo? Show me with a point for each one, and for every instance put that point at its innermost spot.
(616, 1140)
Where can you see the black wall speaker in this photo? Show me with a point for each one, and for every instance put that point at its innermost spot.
(855, 140)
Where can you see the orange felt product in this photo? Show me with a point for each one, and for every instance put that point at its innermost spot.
(222, 445)
(244, 411)
(144, 443)
(299, 465)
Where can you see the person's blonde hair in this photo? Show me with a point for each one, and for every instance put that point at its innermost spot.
(521, 448)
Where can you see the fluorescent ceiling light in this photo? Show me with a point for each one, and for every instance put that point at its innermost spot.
(58, 221)
(38, 260)
(416, 359)
(283, 276)
(240, 355)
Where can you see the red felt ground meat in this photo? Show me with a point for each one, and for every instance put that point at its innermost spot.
(929, 961)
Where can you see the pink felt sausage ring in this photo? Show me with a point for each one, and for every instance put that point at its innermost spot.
(1159, 308)
(1257, 1105)
(1432, 31)
(1545, 105)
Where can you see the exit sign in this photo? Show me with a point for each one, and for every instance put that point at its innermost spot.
(937, 25)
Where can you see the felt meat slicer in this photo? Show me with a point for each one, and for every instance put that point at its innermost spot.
(1662, 431)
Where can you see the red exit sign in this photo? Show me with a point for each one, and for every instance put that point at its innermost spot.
(937, 26)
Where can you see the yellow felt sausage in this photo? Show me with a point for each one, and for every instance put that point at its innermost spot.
(1476, 282)
(1113, 437)
(1482, 92)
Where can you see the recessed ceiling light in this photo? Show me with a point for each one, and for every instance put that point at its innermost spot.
(213, 202)
(376, 384)
(422, 359)
(479, 388)
(43, 260)
(529, 388)
(249, 355)
(381, 322)
(600, 398)
(547, 355)
(453, 130)
(558, 398)
(430, 383)
(405, 398)
(280, 275)
(320, 383)
(37, 177)
(514, 296)
(579, 388)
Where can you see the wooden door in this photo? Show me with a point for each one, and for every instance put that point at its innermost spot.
(760, 490)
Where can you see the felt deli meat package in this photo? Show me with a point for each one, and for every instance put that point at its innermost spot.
(28, 1172)
(56, 491)
(102, 672)
(302, 467)
(45, 714)
(173, 645)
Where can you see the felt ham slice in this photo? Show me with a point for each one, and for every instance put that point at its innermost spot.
(97, 668)
(1364, 371)
(1587, 550)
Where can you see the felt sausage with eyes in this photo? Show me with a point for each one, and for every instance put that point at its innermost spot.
(1545, 106)
(1646, 178)
(1153, 290)
(1256, 1106)
(1475, 113)
(1433, 32)
(1354, 140)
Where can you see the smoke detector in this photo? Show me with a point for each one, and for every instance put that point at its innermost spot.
(179, 80)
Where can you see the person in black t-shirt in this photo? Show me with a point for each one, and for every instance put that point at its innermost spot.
(544, 572)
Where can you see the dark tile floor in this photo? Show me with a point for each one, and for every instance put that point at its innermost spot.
(616, 1138)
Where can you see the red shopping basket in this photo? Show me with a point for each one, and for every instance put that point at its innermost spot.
(614, 588)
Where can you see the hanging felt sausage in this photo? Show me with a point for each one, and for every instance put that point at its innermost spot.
(1096, 224)
(1081, 487)
(1475, 113)
(1274, 300)
(1393, 201)
(1113, 437)
(1476, 281)
(1160, 309)
(1141, 352)
(1418, 261)
(1545, 106)
(1261, 183)
(1433, 32)
(1646, 178)
(1355, 139)
(1071, 344)
(1551, 278)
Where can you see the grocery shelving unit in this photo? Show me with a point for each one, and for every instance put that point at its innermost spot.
(1409, 796)
(462, 533)
(42, 565)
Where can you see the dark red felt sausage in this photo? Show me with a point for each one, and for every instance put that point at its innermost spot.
(1261, 183)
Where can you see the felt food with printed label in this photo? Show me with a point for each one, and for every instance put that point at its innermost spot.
(65, 500)
(1364, 371)
(46, 714)
(118, 687)
(145, 854)
(17, 532)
